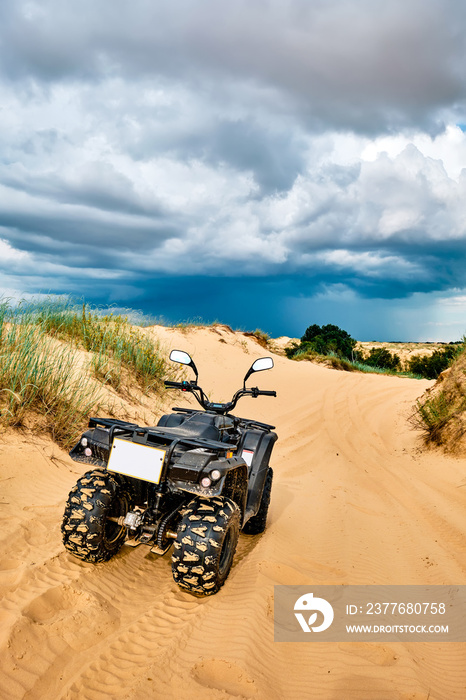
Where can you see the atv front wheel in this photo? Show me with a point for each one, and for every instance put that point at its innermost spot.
(205, 545)
(257, 523)
(90, 526)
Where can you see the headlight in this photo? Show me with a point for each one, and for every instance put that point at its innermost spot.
(206, 482)
(215, 474)
(84, 441)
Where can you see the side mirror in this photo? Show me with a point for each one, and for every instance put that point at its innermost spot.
(262, 363)
(258, 366)
(184, 359)
(180, 356)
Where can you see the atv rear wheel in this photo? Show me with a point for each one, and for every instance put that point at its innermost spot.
(257, 523)
(205, 545)
(90, 525)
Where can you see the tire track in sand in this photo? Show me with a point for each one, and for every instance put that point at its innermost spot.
(353, 502)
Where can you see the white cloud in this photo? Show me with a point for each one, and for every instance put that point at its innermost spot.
(454, 301)
(448, 147)
(11, 255)
(370, 264)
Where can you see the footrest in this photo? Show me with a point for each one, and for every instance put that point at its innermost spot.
(160, 550)
(145, 538)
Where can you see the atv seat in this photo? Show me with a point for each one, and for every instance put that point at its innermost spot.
(201, 426)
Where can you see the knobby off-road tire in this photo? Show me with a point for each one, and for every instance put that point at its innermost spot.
(205, 545)
(257, 523)
(87, 531)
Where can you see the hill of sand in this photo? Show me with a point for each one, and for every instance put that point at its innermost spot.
(355, 501)
(405, 351)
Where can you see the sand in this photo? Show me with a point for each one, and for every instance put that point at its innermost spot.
(355, 501)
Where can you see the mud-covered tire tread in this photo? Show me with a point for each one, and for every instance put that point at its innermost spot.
(200, 564)
(84, 527)
(256, 525)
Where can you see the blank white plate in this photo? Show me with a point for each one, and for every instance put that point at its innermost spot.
(139, 461)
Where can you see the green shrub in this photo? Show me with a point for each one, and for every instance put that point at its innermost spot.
(324, 340)
(382, 358)
(291, 350)
(430, 366)
(329, 339)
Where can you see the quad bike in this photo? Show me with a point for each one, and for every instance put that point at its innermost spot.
(193, 481)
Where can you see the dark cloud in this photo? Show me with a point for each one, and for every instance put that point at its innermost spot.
(359, 65)
(274, 158)
(397, 224)
(96, 185)
(283, 305)
(54, 234)
(274, 155)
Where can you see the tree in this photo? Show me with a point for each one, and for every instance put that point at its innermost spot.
(382, 358)
(326, 340)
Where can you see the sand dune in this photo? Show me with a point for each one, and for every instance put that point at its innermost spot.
(355, 501)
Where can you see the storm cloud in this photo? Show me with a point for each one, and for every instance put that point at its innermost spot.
(340, 63)
(307, 146)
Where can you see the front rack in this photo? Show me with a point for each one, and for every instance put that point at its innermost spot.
(153, 434)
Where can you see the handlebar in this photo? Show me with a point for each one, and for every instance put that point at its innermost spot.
(220, 408)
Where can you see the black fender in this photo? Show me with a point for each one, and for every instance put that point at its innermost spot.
(187, 475)
(256, 447)
(98, 441)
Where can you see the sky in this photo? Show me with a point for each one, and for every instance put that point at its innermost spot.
(268, 163)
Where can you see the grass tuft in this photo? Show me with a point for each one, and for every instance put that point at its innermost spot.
(38, 376)
(441, 412)
(110, 336)
(42, 377)
(262, 338)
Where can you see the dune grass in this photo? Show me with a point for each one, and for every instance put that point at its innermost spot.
(362, 367)
(38, 377)
(441, 412)
(46, 380)
(433, 414)
(261, 336)
(116, 344)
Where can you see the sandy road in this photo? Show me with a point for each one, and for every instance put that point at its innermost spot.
(354, 502)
